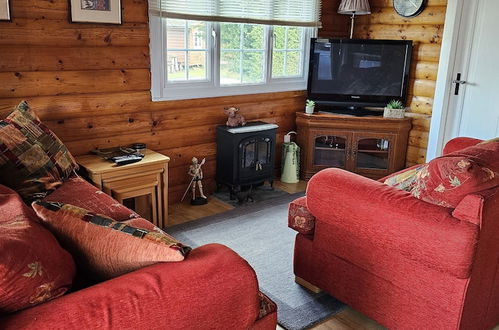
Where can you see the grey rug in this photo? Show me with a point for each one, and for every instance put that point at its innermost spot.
(259, 233)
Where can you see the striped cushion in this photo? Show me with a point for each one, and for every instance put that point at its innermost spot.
(105, 248)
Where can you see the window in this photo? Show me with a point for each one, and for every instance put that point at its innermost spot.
(242, 54)
(203, 48)
(288, 52)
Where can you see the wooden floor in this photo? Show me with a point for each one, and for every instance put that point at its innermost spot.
(347, 319)
(184, 212)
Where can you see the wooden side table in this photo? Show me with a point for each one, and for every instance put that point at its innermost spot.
(145, 181)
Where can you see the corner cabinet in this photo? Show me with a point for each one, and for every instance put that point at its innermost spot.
(370, 146)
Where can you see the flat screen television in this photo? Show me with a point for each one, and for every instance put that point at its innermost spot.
(347, 75)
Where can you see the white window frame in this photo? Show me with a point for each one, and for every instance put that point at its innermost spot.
(161, 90)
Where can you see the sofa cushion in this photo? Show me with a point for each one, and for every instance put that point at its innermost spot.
(299, 218)
(33, 161)
(448, 179)
(33, 266)
(106, 248)
(404, 179)
(78, 192)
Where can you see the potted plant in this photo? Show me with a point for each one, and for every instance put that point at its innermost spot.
(309, 106)
(394, 109)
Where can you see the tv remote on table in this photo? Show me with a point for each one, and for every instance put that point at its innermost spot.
(126, 159)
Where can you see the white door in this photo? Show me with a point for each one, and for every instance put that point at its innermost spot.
(473, 108)
(470, 47)
(480, 108)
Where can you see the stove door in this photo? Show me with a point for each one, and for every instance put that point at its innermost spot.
(255, 159)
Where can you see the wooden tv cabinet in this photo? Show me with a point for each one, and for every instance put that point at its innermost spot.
(370, 146)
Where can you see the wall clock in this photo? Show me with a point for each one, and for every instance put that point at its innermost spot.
(409, 8)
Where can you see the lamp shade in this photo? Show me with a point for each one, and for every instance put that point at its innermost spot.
(359, 7)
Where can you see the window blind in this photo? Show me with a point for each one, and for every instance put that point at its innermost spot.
(270, 12)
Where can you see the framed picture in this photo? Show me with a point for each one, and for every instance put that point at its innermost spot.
(95, 11)
(4, 10)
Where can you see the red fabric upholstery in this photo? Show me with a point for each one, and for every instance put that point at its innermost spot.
(459, 143)
(392, 305)
(362, 212)
(213, 288)
(225, 296)
(34, 268)
(79, 192)
(404, 262)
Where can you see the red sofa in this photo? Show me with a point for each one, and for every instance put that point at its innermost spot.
(403, 262)
(214, 288)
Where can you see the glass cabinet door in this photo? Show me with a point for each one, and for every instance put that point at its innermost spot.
(330, 151)
(372, 153)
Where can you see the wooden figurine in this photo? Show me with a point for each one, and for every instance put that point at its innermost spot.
(234, 118)
(196, 171)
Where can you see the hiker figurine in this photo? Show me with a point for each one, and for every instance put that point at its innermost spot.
(196, 172)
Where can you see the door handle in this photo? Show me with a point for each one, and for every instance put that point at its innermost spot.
(458, 83)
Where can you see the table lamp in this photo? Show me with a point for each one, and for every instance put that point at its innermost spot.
(354, 7)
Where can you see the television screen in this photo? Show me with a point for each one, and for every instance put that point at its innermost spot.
(354, 72)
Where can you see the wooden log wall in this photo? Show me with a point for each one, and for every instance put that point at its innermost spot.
(426, 31)
(90, 84)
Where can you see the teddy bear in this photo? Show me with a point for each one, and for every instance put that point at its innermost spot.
(234, 119)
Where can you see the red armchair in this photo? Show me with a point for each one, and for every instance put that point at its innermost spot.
(406, 263)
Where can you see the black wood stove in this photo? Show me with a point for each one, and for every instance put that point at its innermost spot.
(245, 155)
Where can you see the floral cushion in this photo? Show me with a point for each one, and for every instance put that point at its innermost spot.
(405, 179)
(33, 266)
(105, 248)
(299, 218)
(496, 139)
(267, 306)
(33, 161)
(448, 179)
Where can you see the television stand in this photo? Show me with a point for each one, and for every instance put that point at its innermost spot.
(369, 146)
(351, 111)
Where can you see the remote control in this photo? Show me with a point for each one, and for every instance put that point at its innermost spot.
(127, 159)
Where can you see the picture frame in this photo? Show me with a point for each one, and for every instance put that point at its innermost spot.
(95, 11)
(5, 14)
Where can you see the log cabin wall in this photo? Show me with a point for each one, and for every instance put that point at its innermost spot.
(426, 31)
(90, 84)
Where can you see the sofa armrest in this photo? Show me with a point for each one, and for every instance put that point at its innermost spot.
(459, 143)
(214, 288)
(370, 211)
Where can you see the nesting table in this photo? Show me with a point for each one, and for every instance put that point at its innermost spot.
(145, 181)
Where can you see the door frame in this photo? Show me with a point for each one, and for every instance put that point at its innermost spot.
(443, 126)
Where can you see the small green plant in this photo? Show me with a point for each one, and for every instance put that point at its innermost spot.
(310, 103)
(395, 104)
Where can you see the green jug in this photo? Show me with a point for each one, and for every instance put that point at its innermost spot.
(290, 170)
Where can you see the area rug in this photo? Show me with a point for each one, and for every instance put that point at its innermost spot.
(258, 194)
(259, 233)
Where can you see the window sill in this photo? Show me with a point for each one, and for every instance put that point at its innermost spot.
(189, 92)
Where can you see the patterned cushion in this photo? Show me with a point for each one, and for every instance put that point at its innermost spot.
(405, 179)
(105, 248)
(33, 266)
(78, 192)
(448, 179)
(299, 218)
(496, 139)
(267, 306)
(33, 161)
